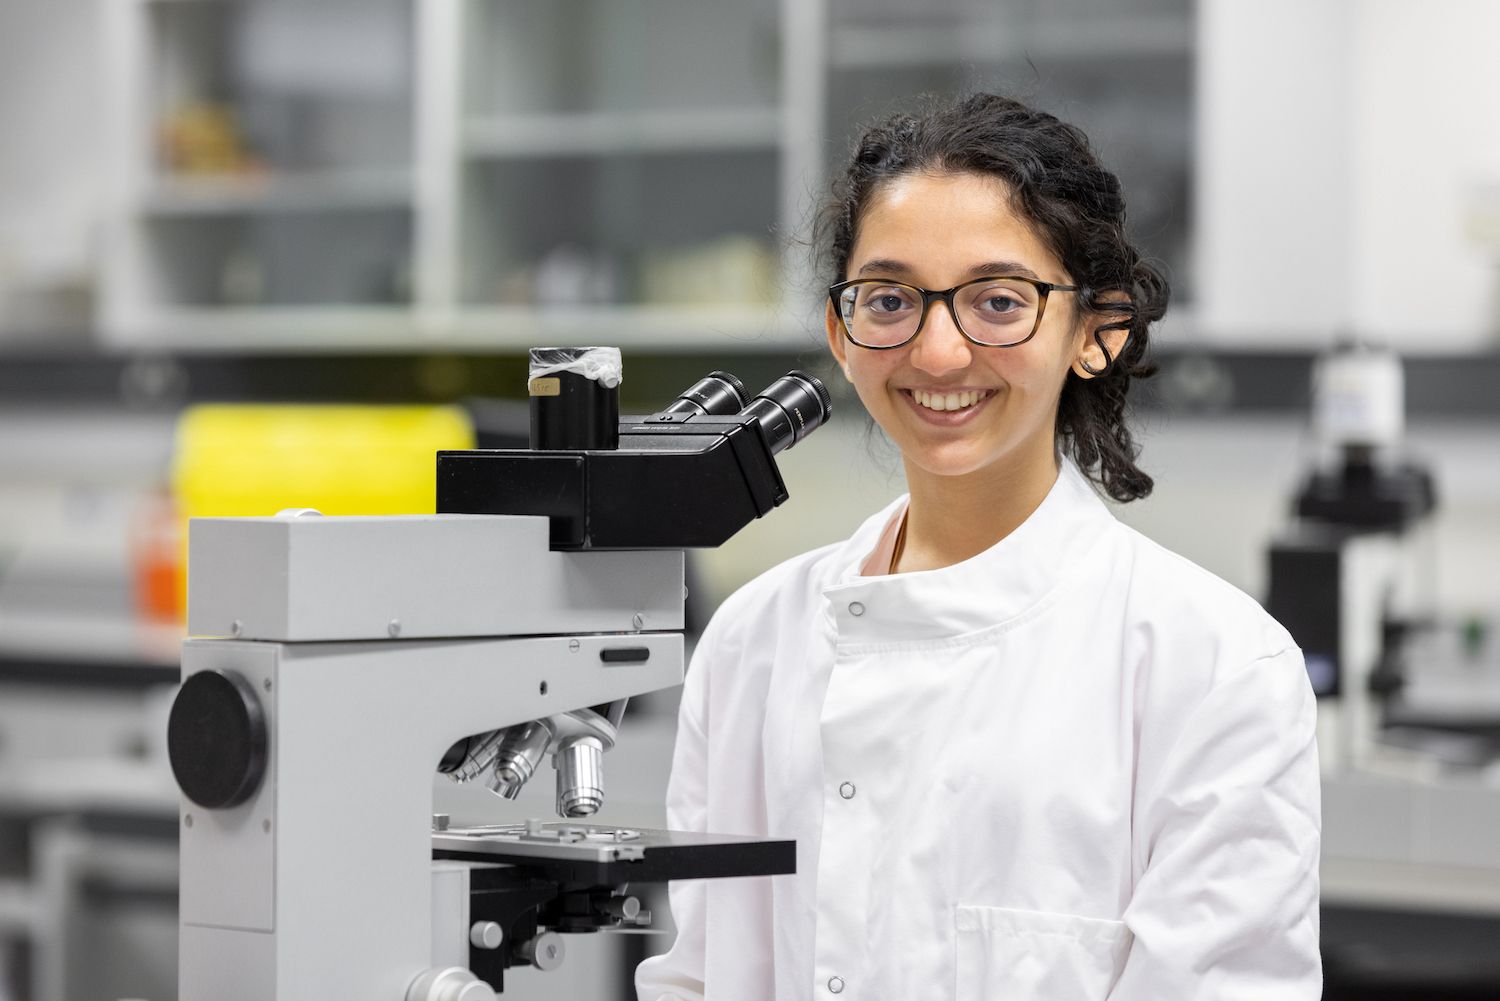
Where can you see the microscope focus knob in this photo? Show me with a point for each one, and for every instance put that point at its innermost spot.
(451, 984)
(545, 952)
(216, 739)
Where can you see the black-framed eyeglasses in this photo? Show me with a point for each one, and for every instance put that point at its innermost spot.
(1000, 311)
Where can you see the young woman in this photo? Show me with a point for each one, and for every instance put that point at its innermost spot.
(1025, 753)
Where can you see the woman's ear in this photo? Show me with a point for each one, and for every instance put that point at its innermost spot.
(1106, 330)
(834, 328)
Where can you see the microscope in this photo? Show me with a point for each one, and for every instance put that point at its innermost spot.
(335, 662)
(1347, 579)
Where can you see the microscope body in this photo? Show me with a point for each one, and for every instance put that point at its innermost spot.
(339, 662)
(364, 648)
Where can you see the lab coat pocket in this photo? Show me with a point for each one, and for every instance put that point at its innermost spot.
(1010, 955)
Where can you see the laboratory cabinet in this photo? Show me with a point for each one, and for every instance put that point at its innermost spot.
(355, 174)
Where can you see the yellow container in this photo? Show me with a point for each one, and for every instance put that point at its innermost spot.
(237, 460)
(234, 460)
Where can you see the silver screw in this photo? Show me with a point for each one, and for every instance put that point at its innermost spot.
(187, 820)
(573, 646)
(394, 628)
(638, 621)
(236, 627)
(267, 684)
(265, 825)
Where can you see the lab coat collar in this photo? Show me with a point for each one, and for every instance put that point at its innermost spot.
(992, 590)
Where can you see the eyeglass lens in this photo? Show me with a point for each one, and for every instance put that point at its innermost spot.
(998, 311)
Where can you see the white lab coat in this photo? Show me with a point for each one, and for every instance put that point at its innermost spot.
(1076, 766)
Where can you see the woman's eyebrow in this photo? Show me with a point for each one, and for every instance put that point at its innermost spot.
(1008, 268)
(885, 266)
(890, 266)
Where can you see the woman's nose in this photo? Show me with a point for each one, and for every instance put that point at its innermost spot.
(941, 348)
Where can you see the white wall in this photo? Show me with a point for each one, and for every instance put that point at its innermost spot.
(1340, 146)
(1273, 127)
(1427, 135)
(50, 142)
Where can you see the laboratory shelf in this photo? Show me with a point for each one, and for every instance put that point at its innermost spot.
(497, 329)
(17, 908)
(991, 40)
(602, 133)
(286, 328)
(633, 328)
(57, 645)
(333, 191)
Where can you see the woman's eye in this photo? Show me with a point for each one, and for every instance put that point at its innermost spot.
(1001, 302)
(887, 301)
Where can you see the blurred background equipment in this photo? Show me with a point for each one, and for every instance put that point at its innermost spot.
(1350, 579)
(1408, 720)
(374, 203)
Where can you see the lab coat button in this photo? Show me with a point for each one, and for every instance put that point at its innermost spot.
(835, 985)
(846, 790)
(856, 608)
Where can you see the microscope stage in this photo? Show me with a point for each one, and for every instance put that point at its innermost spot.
(605, 855)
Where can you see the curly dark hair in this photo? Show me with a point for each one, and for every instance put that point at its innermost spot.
(1076, 205)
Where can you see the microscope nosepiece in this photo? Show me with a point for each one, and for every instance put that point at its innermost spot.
(521, 750)
(580, 777)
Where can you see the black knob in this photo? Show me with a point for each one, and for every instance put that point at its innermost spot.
(216, 739)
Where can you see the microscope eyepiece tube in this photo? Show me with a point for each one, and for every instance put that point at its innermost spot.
(575, 398)
(717, 393)
(520, 751)
(580, 777)
(790, 409)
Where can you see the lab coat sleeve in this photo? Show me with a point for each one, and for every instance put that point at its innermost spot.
(678, 975)
(1226, 906)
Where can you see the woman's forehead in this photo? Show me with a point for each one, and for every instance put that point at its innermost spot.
(947, 224)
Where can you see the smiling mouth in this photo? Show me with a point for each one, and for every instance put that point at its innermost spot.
(943, 402)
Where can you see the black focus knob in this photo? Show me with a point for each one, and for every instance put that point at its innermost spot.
(216, 739)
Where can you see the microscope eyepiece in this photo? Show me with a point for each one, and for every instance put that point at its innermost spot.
(717, 393)
(790, 409)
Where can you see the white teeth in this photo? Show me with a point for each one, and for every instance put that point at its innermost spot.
(947, 401)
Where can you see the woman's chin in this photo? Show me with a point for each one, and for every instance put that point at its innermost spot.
(949, 461)
(979, 457)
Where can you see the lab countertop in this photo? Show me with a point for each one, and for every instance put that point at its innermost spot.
(1420, 843)
(43, 645)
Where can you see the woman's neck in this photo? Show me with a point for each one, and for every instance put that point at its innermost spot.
(955, 518)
